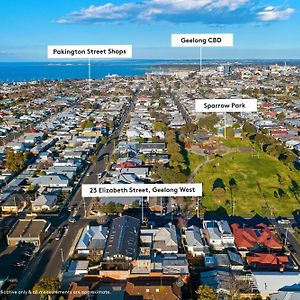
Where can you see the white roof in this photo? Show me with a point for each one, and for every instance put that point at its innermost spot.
(282, 295)
(273, 281)
(48, 200)
(214, 233)
(193, 236)
(167, 234)
(78, 265)
(92, 237)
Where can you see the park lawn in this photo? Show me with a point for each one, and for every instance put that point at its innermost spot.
(237, 143)
(194, 160)
(256, 179)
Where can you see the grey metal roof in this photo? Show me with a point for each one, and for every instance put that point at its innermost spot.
(123, 238)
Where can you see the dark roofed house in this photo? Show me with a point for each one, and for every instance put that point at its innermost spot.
(153, 288)
(14, 203)
(151, 147)
(122, 242)
(27, 230)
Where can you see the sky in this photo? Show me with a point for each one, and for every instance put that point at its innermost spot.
(261, 28)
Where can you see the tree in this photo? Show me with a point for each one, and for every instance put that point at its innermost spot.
(167, 175)
(248, 128)
(281, 116)
(208, 122)
(15, 162)
(143, 157)
(205, 292)
(189, 128)
(160, 126)
(103, 139)
(157, 92)
(94, 159)
(87, 123)
(111, 208)
(262, 140)
(30, 189)
(46, 285)
(162, 103)
(27, 155)
(173, 148)
(218, 183)
(170, 136)
(155, 139)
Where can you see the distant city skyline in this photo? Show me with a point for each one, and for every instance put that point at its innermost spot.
(262, 29)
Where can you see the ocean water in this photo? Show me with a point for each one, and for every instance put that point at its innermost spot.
(26, 71)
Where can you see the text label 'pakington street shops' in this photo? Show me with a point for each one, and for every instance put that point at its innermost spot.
(226, 105)
(142, 190)
(90, 51)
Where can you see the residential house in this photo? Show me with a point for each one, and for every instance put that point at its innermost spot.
(14, 203)
(122, 241)
(53, 180)
(227, 236)
(44, 202)
(213, 234)
(153, 288)
(78, 267)
(27, 230)
(195, 241)
(163, 239)
(220, 281)
(267, 261)
(157, 204)
(16, 146)
(140, 172)
(92, 241)
(268, 283)
(146, 148)
(255, 238)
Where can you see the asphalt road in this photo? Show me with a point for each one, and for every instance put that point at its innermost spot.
(53, 255)
(284, 231)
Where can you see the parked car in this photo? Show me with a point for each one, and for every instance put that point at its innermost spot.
(72, 220)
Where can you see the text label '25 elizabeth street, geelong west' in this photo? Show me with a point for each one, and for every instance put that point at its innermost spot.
(142, 190)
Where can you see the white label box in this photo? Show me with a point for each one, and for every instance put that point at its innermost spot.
(202, 40)
(226, 105)
(142, 190)
(89, 51)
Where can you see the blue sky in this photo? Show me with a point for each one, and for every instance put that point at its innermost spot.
(261, 28)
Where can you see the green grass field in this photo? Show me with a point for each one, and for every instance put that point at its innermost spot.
(194, 160)
(237, 143)
(257, 178)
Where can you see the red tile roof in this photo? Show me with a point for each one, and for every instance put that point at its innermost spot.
(249, 238)
(268, 259)
(32, 131)
(126, 164)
